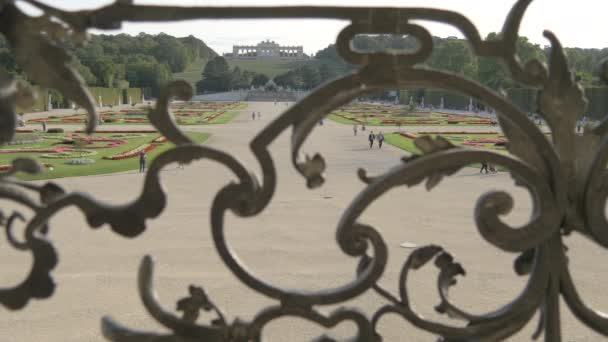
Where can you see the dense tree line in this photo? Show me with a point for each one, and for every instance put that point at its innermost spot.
(121, 61)
(217, 77)
(452, 54)
(305, 77)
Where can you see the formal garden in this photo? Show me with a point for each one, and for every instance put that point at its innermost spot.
(485, 140)
(77, 154)
(185, 113)
(388, 115)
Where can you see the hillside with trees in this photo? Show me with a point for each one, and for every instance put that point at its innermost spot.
(122, 61)
(453, 54)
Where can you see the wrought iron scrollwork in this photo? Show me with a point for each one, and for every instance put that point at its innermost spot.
(566, 177)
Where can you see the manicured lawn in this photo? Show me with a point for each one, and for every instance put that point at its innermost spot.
(391, 115)
(401, 142)
(193, 72)
(61, 168)
(194, 113)
(225, 118)
(268, 67)
(407, 144)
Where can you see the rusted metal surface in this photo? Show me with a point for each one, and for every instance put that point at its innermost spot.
(565, 176)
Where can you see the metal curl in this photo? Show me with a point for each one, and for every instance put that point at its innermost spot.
(364, 329)
(543, 224)
(180, 328)
(129, 219)
(490, 326)
(422, 35)
(596, 196)
(38, 284)
(161, 118)
(357, 242)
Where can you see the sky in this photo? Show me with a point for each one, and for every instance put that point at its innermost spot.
(580, 23)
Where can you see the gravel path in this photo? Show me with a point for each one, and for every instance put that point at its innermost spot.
(291, 244)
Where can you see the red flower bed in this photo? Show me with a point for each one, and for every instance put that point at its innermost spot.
(7, 167)
(408, 135)
(119, 131)
(132, 153)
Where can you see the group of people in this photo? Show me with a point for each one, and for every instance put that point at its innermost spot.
(254, 114)
(371, 137)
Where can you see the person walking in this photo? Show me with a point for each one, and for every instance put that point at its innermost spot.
(142, 161)
(380, 139)
(44, 126)
(355, 129)
(371, 139)
(484, 166)
(252, 115)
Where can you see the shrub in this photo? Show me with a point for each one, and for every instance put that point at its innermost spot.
(55, 130)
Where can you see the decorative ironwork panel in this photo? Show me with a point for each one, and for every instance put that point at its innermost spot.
(565, 175)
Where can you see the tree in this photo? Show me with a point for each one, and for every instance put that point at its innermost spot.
(216, 76)
(310, 76)
(239, 80)
(259, 80)
(325, 72)
(173, 52)
(454, 55)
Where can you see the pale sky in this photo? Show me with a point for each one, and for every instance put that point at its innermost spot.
(580, 23)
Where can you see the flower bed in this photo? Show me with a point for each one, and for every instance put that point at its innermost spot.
(408, 135)
(131, 153)
(69, 154)
(119, 131)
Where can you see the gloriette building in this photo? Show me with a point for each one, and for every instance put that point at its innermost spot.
(267, 50)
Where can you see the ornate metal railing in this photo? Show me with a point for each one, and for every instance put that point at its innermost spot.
(566, 176)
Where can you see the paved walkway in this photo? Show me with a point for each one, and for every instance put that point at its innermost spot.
(291, 244)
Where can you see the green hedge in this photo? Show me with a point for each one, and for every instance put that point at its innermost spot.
(109, 96)
(525, 98)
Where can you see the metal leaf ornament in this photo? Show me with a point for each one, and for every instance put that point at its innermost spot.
(34, 44)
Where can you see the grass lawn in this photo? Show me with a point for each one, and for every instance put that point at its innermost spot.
(225, 118)
(342, 120)
(193, 72)
(270, 68)
(197, 113)
(61, 168)
(408, 145)
(401, 142)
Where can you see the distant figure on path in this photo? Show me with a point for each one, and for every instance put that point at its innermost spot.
(380, 139)
(484, 166)
(371, 138)
(44, 126)
(142, 161)
(252, 115)
(355, 129)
